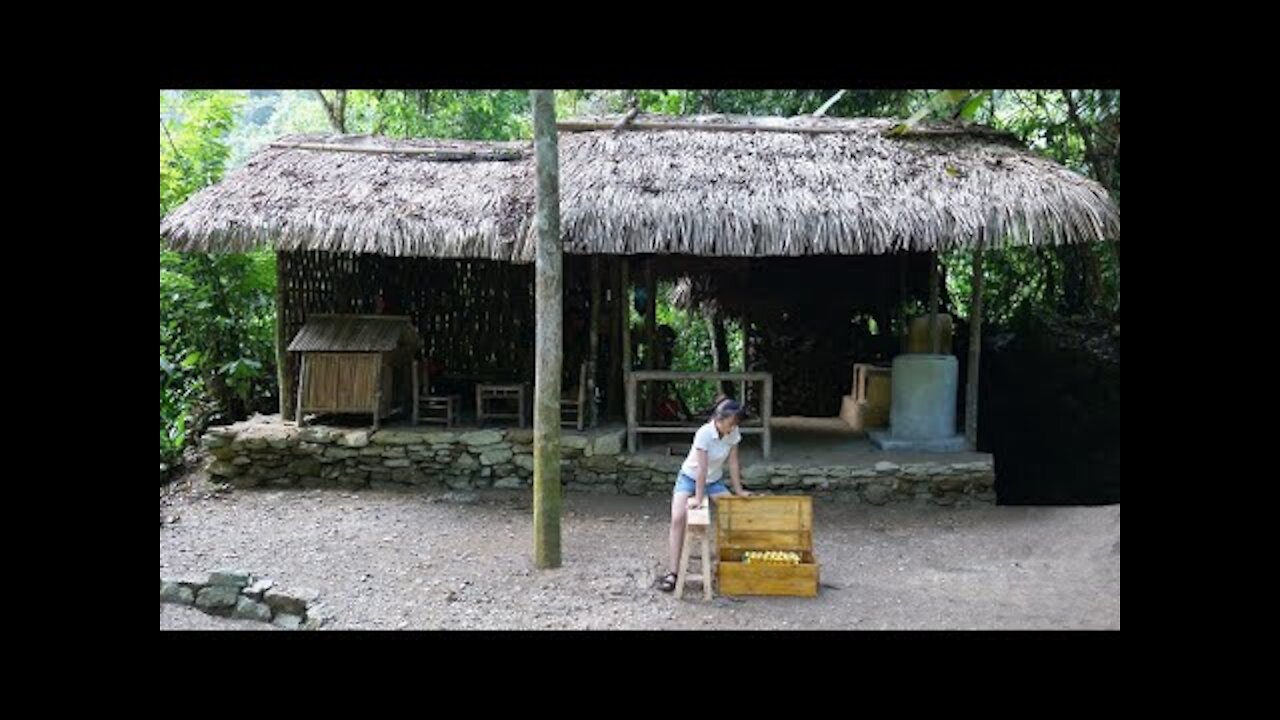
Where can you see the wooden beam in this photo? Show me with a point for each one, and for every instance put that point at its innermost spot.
(588, 126)
(549, 302)
(427, 153)
(733, 375)
(626, 119)
(827, 105)
(975, 349)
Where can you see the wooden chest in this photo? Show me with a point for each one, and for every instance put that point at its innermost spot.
(783, 522)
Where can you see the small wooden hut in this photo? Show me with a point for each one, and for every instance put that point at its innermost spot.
(357, 364)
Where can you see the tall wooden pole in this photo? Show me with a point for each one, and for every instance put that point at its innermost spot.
(549, 305)
(626, 320)
(284, 376)
(651, 336)
(975, 349)
(613, 397)
(593, 369)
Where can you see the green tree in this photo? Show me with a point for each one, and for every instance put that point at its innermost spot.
(216, 311)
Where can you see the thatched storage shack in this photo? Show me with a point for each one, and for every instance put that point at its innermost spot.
(356, 364)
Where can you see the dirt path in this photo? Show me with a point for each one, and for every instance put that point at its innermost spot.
(387, 560)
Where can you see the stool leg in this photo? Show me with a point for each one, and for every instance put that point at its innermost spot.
(706, 564)
(683, 570)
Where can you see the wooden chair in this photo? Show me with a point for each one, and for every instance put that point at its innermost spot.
(436, 408)
(573, 404)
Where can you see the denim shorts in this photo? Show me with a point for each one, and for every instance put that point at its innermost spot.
(686, 484)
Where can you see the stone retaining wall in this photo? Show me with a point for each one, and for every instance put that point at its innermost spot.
(252, 454)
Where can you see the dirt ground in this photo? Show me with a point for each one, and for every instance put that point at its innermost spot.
(384, 559)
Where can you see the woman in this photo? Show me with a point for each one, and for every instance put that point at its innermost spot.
(702, 475)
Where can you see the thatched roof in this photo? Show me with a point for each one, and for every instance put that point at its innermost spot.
(355, 333)
(773, 186)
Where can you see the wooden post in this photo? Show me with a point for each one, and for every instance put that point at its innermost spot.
(903, 330)
(935, 341)
(377, 394)
(302, 389)
(631, 413)
(746, 351)
(617, 387)
(593, 370)
(549, 343)
(415, 391)
(625, 297)
(284, 377)
(766, 414)
(975, 349)
(651, 337)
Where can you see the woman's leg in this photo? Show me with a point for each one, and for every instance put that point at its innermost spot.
(679, 509)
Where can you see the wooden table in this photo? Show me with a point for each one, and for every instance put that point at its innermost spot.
(510, 391)
(742, 378)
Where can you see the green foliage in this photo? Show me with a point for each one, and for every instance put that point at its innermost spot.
(217, 319)
(460, 114)
(693, 349)
(1077, 280)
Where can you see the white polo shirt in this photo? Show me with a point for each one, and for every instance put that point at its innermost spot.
(708, 438)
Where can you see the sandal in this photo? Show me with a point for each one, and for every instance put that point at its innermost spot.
(668, 582)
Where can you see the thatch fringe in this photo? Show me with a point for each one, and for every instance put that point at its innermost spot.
(849, 190)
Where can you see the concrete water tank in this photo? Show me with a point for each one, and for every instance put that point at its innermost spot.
(924, 397)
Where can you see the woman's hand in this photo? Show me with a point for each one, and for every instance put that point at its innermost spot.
(696, 501)
(743, 492)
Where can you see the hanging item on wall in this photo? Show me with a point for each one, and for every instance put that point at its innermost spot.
(641, 300)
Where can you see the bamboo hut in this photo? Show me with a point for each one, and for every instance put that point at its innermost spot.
(794, 224)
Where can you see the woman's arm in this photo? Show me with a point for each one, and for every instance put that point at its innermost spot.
(700, 482)
(735, 473)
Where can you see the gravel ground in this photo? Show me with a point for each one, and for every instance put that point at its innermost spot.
(387, 559)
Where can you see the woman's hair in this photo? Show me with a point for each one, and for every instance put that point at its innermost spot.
(727, 408)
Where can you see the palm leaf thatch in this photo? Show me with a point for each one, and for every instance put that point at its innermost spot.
(717, 186)
(355, 333)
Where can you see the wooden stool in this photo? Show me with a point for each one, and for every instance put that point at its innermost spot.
(697, 524)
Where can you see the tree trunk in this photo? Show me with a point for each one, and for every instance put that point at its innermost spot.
(336, 110)
(720, 348)
(549, 304)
